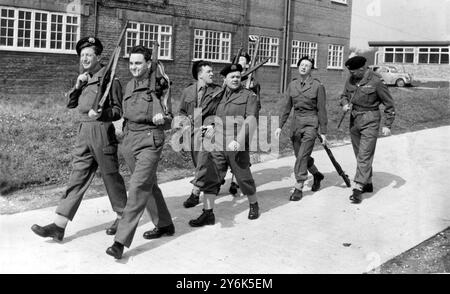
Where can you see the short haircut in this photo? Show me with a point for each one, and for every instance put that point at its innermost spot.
(139, 49)
(202, 64)
(306, 58)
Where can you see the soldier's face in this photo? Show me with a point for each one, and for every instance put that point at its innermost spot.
(243, 62)
(358, 73)
(88, 58)
(305, 67)
(233, 80)
(138, 66)
(206, 74)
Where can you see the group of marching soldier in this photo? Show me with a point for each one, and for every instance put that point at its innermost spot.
(147, 114)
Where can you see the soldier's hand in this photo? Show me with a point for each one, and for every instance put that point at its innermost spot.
(234, 146)
(158, 119)
(346, 107)
(83, 78)
(277, 132)
(386, 131)
(93, 114)
(209, 133)
(324, 140)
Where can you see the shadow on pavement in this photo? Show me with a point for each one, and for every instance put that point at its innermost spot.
(227, 207)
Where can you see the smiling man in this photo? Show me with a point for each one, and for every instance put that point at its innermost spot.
(144, 121)
(96, 143)
(239, 106)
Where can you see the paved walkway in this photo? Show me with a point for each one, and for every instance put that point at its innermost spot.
(323, 233)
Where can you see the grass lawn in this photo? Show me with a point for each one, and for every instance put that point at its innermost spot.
(37, 134)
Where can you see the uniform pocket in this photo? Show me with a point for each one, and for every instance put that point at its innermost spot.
(158, 138)
(138, 108)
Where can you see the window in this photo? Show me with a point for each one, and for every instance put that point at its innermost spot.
(335, 56)
(300, 49)
(268, 47)
(37, 30)
(399, 55)
(146, 34)
(434, 55)
(212, 46)
(340, 1)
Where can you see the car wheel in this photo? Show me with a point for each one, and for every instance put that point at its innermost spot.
(400, 83)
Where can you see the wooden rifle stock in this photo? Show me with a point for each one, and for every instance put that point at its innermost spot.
(336, 165)
(108, 74)
(252, 63)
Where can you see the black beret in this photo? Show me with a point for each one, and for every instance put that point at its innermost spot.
(355, 62)
(197, 65)
(230, 68)
(306, 58)
(88, 42)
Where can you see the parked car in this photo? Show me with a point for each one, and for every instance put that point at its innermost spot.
(393, 75)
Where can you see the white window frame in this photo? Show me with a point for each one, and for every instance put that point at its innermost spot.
(302, 48)
(48, 33)
(340, 1)
(399, 50)
(333, 61)
(268, 45)
(429, 52)
(204, 48)
(137, 34)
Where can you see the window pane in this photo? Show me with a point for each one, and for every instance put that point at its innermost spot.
(7, 27)
(423, 58)
(24, 29)
(434, 58)
(444, 59)
(399, 57)
(409, 58)
(389, 57)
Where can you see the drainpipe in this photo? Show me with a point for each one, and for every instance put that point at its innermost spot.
(286, 30)
(95, 17)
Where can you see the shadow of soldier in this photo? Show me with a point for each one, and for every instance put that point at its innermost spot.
(228, 208)
(382, 180)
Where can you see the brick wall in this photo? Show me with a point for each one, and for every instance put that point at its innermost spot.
(26, 72)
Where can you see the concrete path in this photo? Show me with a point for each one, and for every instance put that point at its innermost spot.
(323, 233)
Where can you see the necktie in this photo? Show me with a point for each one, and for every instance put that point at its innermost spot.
(200, 94)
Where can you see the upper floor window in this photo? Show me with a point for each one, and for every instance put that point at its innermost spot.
(212, 45)
(146, 34)
(335, 56)
(37, 30)
(302, 48)
(268, 47)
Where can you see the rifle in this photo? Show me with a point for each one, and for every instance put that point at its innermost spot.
(342, 119)
(156, 88)
(337, 166)
(252, 63)
(108, 74)
(255, 68)
(236, 58)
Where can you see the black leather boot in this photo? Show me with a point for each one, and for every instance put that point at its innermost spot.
(318, 177)
(356, 197)
(51, 230)
(116, 250)
(192, 201)
(368, 188)
(206, 218)
(297, 195)
(159, 232)
(113, 228)
(253, 212)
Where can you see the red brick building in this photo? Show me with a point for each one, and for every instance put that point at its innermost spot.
(37, 38)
